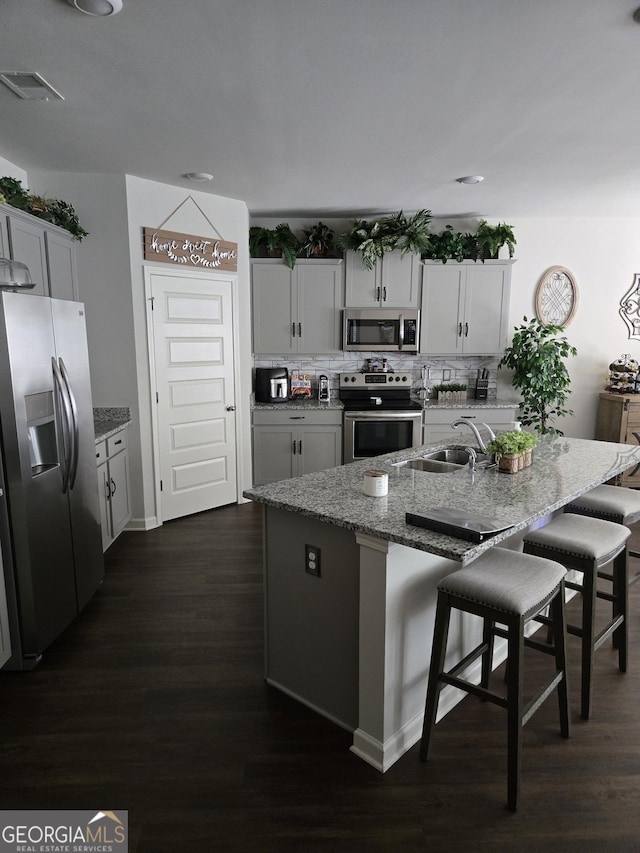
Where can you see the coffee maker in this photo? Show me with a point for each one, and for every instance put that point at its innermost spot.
(272, 384)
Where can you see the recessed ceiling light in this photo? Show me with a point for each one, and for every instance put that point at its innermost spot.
(97, 8)
(470, 179)
(199, 177)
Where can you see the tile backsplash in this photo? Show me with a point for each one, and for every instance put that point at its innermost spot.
(445, 369)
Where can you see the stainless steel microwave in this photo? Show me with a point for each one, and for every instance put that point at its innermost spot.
(381, 329)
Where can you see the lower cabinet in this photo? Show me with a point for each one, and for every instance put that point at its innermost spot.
(291, 443)
(437, 423)
(112, 458)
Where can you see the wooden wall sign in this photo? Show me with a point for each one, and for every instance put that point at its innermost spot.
(171, 247)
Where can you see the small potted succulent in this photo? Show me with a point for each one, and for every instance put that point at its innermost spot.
(318, 241)
(513, 450)
(278, 242)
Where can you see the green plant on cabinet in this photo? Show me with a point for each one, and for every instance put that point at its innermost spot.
(276, 242)
(394, 232)
(52, 210)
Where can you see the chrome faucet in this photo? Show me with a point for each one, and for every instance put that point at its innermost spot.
(476, 431)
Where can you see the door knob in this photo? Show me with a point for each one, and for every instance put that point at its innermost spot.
(231, 408)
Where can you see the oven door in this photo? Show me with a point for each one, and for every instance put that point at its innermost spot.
(375, 433)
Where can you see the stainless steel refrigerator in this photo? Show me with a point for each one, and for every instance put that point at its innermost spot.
(52, 546)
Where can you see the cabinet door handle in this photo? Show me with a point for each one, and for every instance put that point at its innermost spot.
(107, 490)
(113, 487)
(119, 441)
(384, 294)
(459, 330)
(300, 447)
(466, 330)
(377, 294)
(293, 330)
(294, 448)
(297, 417)
(299, 330)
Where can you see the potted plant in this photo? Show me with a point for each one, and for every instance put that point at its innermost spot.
(450, 392)
(452, 245)
(395, 232)
(318, 242)
(536, 356)
(14, 193)
(491, 238)
(277, 242)
(53, 210)
(527, 442)
(508, 451)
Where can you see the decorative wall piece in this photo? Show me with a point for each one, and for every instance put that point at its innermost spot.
(171, 247)
(630, 308)
(556, 297)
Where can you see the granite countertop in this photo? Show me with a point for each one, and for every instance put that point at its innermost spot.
(109, 421)
(305, 405)
(335, 403)
(563, 469)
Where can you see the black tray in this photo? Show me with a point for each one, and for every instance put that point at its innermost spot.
(457, 523)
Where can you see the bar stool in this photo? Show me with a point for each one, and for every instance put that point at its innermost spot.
(508, 588)
(587, 544)
(610, 503)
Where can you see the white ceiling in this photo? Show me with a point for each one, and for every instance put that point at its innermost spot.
(340, 107)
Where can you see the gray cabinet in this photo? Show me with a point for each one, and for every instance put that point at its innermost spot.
(393, 282)
(112, 458)
(437, 423)
(48, 251)
(296, 311)
(291, 443)
(465, 307)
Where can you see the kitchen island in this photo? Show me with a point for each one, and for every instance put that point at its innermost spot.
(350, 587)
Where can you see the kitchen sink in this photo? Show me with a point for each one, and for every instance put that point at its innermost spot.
(435, 466)
(447, 460)
(454, 455)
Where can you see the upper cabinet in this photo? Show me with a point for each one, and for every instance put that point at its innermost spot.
(465, 307)
(297, 310)
(393, 282)
(48, 251)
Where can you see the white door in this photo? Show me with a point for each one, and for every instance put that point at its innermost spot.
(192, 351)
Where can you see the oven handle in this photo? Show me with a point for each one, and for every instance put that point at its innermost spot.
(381, 415)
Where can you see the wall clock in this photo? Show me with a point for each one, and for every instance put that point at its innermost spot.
(556, 297)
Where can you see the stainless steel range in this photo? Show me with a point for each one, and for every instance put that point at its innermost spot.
(379, 414)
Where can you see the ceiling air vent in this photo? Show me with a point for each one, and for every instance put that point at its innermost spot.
(29, 85)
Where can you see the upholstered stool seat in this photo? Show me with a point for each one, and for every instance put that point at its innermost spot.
(610, 503)
(506, 589)
(587, 544)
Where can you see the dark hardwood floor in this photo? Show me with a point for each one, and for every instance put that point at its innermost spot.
(154, 701)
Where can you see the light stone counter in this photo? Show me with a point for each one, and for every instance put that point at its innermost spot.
(563, 469)
(109, 421)
(352, 638)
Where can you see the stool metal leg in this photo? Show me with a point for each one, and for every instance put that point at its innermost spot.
(438, 653)
(488, 637)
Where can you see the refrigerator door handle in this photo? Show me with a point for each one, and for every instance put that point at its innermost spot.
(75, 433)
(65, 413)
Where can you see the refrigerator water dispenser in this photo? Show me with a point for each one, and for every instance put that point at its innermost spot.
(41, 429)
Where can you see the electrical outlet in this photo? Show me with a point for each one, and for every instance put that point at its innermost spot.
(312, 560)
